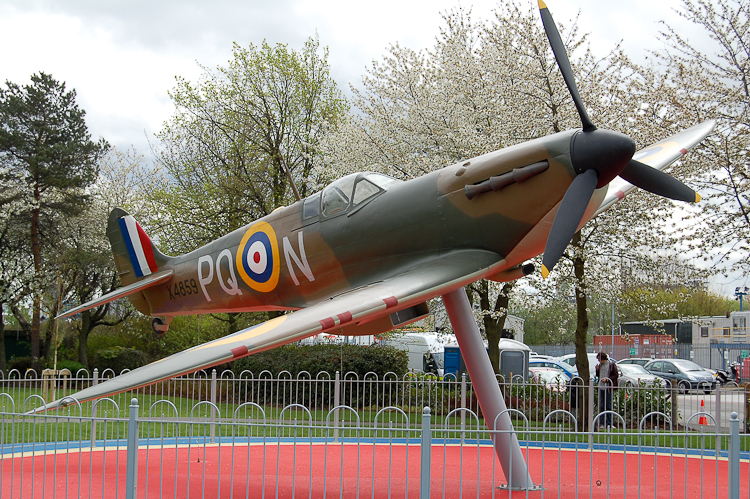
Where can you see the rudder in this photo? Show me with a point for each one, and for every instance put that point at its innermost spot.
(135, 255)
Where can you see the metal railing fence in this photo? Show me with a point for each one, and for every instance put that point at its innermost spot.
(368, 394)
(301, 453)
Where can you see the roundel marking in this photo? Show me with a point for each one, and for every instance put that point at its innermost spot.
(258, 257)
(656, 153)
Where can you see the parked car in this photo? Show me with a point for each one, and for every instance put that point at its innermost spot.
(553, 379)
(641, 361)
(684, 374)
(534, 355)
(570, 359)
(554, 364)
(634, 374)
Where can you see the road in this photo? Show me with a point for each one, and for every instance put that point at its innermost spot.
(720, 404)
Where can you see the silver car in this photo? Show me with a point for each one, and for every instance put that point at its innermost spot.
(684, 374)
(641, 361)
(634, 374)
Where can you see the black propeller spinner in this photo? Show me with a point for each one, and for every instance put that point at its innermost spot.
(598, 156)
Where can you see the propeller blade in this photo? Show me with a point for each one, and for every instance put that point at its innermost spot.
(658, 182)
(561, 55)
(568, 216)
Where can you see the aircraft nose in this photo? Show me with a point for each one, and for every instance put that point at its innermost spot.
(605, 151)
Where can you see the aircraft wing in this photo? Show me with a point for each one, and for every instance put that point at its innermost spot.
(429, 278)
(659, 156)
(122, 292)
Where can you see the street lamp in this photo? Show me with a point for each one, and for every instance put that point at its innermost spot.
(738, 294)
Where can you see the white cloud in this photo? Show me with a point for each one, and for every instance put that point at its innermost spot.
(122, 57)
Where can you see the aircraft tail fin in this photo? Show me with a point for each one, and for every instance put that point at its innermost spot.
(139, 263)
(135, 255)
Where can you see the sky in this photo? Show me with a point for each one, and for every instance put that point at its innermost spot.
(122, 57)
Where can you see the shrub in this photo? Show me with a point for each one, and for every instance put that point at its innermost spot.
(634, 404)
(118, 359)
(21, 363)
(315, 359)
(326, 358)
(24, 363)
(71, 365)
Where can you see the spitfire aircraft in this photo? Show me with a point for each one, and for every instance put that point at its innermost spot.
(365, 254)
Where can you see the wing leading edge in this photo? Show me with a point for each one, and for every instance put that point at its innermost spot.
(659, 156)
(427, 279)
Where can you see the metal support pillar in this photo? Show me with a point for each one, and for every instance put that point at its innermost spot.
(426, 449)
(131, 466)
(488, 392)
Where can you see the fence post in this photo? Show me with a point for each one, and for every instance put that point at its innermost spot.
(734, 456)
(131, 474)
(747, 408)
(336, 403)
(591, 413)
(94, 381)
(718, 417)
(424, 477)
(675, 405)
(213, 406)
(463, 405)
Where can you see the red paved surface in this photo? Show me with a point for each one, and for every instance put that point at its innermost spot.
(186, 471)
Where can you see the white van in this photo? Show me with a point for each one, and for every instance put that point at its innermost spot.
(570, 359)
(425, 351)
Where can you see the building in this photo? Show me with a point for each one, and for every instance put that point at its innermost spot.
(16, 342)
(648, 344)
(711, 341)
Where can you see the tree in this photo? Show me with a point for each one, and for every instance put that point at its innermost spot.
(124, 181)
(86, 270)
(484, 87)
(46, 151)
(547, 319)
(15, 264)
(127, 181)
(225, 148)
(713, 81)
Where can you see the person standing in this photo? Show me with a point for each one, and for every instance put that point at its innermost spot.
(605, 389)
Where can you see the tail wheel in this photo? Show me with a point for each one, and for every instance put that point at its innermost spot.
(159, 326)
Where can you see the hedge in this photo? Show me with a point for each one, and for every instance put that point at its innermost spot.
(359, 359)
(118, 358)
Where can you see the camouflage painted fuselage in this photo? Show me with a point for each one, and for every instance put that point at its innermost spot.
(307, 258)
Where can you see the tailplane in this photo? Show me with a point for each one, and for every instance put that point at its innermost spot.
(139, 263)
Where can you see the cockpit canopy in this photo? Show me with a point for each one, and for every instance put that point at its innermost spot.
(347, 193)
